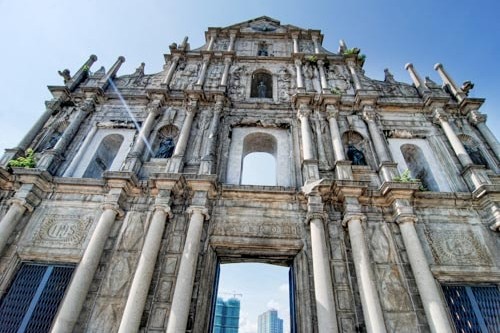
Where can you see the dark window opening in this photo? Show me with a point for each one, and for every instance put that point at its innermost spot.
(104, 156)
(262, 85)
(32, 300)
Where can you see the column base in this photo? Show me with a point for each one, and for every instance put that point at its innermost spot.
(343, 170)
(205, 167)
(310, 170)
(175, 164)
(388, 171)
(475, 176)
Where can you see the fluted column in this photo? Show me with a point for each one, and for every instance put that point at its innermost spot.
(323, 161)
(209, 154)
(232, 38)
(203, 72)
(295, 40)
(441, 118)
(434, 306)
(138, 293)
(211, 42)
(417, 80)
(352, 69)
(174, 163)
(322, 75)
(457, 92)
(179, 310)
(225, 73)
(323, 285)
(46, 162)
(72, 303)
(479, 120)
(338, 148)
(298, 70)
(171, 70)
(8, 223)
(305, 130)
(372, 311)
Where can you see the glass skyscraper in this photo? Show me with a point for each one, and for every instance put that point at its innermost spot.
(227, 316)
(270, 323)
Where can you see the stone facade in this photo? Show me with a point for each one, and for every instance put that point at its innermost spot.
(146, 223)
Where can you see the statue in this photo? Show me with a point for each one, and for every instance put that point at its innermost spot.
(52, 141)
(261, 90)
(262, 50)
(475, 155)
(166, 148)
(355, 155)
(65, 74)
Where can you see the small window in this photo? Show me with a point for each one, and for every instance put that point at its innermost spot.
(33, 298)
(262, 85)
(418, 166)
(474, 309)
(104, 156)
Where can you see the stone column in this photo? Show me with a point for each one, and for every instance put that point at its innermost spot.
(457, 92)
(11, 218)
(138, 293)
(81, 151)
(181, 301)
(298, 70)
(141, 141)
(110, 75)
(372, 311)
(171, 70)
(479, 120)
(441, 118)
(232, 38)
(225, 73)
(203, 72)
(323, 162)
(209, 154)
(211, 42)
(316, 44)
(82, 73)
(72, 303)
(295, 39)
(417, 80)
(321, 68)
(46, 162)
(434, 307)
(323, 285)
(338, 148)
(305, 130)
(174, 163)
(354, 74)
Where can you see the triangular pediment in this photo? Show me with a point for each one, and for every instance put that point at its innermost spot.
(262, 24)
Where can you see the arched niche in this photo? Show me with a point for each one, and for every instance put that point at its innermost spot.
(418, 166)
(356, 148)
(104, 156)
(249, 140)
(165, 141)
(258, 166)
(262, 84)
(473, 150)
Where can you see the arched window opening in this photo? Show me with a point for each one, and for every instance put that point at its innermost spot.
(104, 156)
(259, 160)
(165, 144)
(473, 150)
(355, 147)
(418, 166)
(262, 85)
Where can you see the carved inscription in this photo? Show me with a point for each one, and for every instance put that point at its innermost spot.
(62, 231)
(261, 230)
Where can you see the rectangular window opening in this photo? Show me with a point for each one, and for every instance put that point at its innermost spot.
(253, 298)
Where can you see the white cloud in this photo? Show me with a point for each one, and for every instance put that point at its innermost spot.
(284, 287)
(273, 304)
(246, 326)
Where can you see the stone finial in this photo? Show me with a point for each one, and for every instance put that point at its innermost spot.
(417, 80)
(342, 46)
(388, 77)
(65, 74)
(466, 87)
(447, 80)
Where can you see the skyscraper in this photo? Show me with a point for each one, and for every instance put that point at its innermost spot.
(227, 316)
(269, 322)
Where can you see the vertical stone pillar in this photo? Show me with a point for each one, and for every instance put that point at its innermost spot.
(203, 72)
(141, 141)
(179, 310)
(322, 75)
(82, 73)
(343, 168)
(305, 131)
(434, 307)
(417, 80)
(457, 92)
(372, 311)
(8, 223)
(316, 44)
(225, 73)
(46, 162)
(83, 148)
(323, 162)
(232, 38)
(295, 40)
(174, 163)
(171, 70)
(112, 72)
(211, 42)
(352, 69)
(209, 154)
(323, 285)
(74, 299)
(298, 70)
(138, 293)
(441, 118)
(479, 120)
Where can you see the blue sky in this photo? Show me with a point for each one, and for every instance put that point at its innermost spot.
(41, 37)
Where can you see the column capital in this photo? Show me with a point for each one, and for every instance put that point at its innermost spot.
(200, 210)
(206, 57)
(165, 208)
(304, 111)
(320, 62)
(295, 35)
(88, 105)
(439, 115)
(323, 216)
(332, 111)
(476, 117)
(228, 60)
(154, 106)
(219, 104)
(298, 62)
(192, 106)
(348, 217)
(369, 115)
(21, 203)
(406, 218)
(114, 207)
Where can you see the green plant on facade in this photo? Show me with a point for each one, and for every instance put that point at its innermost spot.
(336, 91)
(405, 177)
(352, 51)
(362, 57)
(312, 59)
(85, 68)
(28, 161)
